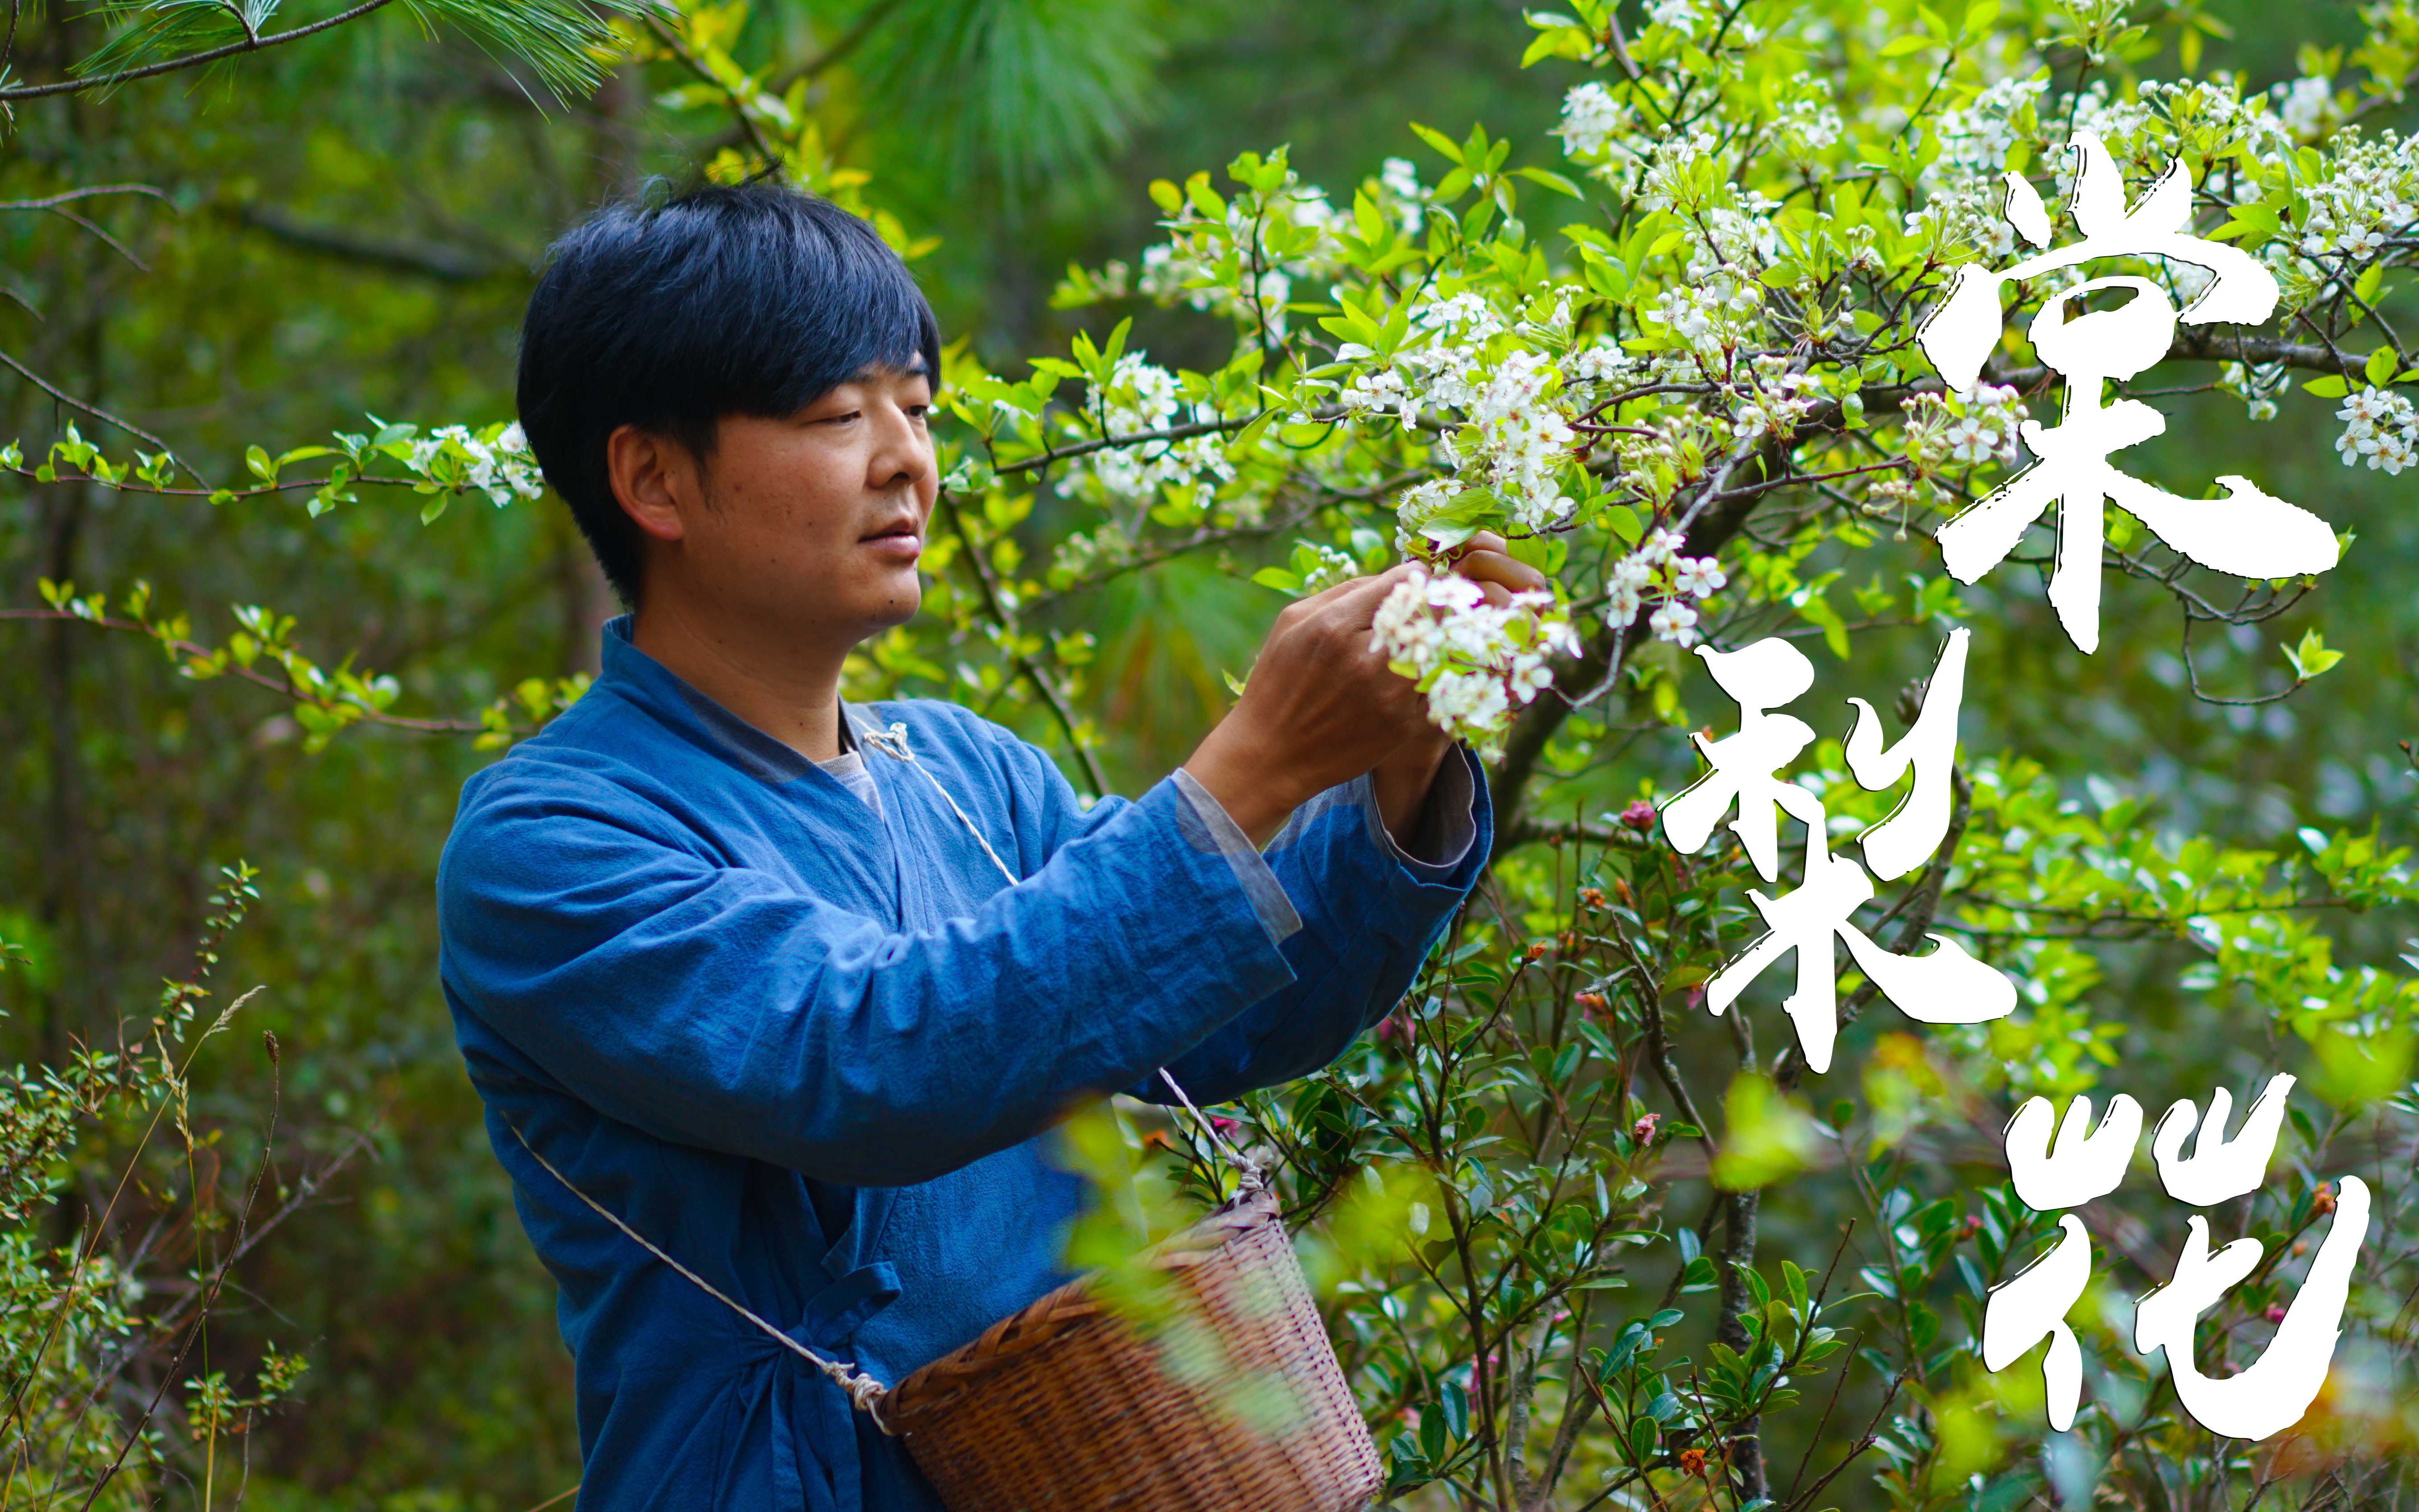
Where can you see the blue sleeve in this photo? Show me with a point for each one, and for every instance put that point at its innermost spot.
(720, 1006)
(1369, 916)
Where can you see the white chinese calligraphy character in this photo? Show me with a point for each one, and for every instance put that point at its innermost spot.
(2220, 1169)
(1761, 677)
(1946, 987)
(2081, 1167)
(2247, 533)
(2031, 1306)
(2269, 1396)
(1906, 837)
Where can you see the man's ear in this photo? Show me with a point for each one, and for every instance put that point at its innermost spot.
(655, 480)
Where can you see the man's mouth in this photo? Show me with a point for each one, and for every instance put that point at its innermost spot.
(899, 539)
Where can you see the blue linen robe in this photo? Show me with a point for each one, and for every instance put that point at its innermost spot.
(697, 974)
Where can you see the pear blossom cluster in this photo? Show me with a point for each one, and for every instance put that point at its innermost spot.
(1977, 138)
(2380, 428)
(1443, 372)
(1476, 662)
(1516, 441)
(1963, 429)
(1682, 16)
(1143, 397)
(1710, 320)
(1806, 121)
(1523, 442)
(1657, 571)
(2306, 106)
(1328, 567)
(495, 459)
(1981, 425)
(2361, 203)
(2257, 384)
(1593, 119)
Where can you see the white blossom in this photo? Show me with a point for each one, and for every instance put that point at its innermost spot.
(497, 461)
(1680, 15)
(1674, 621)
(2306, 106)
(1476, 661)
(1592, 117)
(1142, 397)
(1698, 576)
(2380, 427)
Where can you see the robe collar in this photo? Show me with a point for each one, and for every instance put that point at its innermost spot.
(666, 694)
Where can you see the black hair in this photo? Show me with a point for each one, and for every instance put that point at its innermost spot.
(754, 300)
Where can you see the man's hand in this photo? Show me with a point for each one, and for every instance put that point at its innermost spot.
(1322, 708)
(1402, 779)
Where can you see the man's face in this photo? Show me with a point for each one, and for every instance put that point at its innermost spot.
(813, 523)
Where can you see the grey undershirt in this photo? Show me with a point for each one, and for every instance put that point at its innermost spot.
(849, 767)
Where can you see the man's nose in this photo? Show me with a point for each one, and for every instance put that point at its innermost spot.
(902, 452)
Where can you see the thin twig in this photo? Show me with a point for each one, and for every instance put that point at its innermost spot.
(95, 411)
(250, 44)
(188, 648)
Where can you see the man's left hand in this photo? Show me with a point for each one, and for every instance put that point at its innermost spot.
(1401, 781)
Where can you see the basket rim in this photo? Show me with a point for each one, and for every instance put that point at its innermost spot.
(1039, 1324)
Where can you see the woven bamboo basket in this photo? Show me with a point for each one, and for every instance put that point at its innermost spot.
(1233, 1403)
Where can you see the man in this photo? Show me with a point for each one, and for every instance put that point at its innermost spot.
(754, 987)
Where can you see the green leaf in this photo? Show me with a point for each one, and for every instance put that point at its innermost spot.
(2379, 365)
(2331, 387)
(1455, 1403)
(1901, 46)
(1817, 610)
(1643, 1431)
(2365, 288)
(1552, 180)
(1278, 579)
(1437, 140)
(2312, 656)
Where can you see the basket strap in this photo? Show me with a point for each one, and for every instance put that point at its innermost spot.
(864, 1392)
(1249, 1177)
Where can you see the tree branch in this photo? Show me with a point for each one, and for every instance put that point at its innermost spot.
(183, 648)
(53, 201)
(250, 44)
(94, 410)
(432, 260)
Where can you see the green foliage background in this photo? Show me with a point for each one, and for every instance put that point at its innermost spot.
(345, 226)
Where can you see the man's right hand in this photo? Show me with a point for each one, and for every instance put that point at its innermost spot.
(1320, 708)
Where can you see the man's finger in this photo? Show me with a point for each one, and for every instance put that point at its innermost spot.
(1500, 567)
(1359, 597)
